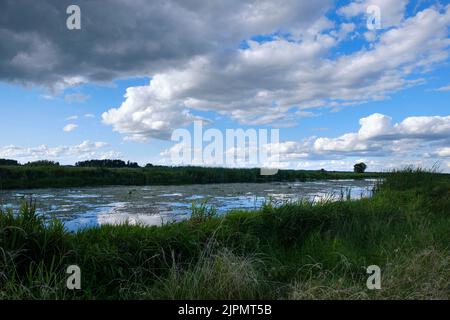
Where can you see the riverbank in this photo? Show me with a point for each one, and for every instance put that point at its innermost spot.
(27, 177)
(295, 251)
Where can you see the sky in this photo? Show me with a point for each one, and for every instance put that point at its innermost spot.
(341, 85)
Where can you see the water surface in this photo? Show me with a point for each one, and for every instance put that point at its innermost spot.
(153, 205)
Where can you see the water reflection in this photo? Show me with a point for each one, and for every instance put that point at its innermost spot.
(153, 205)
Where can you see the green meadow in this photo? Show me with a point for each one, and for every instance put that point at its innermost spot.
(299, 250)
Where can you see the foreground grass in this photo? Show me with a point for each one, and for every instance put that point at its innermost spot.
(295, 251)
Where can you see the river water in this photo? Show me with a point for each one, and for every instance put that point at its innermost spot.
(153, 205)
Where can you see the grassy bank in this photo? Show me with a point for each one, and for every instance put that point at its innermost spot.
(22, 177)
(296, 251)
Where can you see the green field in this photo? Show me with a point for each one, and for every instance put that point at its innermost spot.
(296, 251)
(21, 177)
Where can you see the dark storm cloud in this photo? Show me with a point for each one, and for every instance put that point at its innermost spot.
(129, 38)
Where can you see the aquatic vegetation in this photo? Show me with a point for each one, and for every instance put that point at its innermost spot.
(201, 211)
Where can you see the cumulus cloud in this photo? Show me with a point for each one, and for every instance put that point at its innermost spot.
(65, 154)
(70, 127)
(378, 142)
(377, 133)
(72, 118)
(270, 82)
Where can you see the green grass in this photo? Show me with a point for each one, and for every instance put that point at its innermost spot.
(292, 251)
(21, 177)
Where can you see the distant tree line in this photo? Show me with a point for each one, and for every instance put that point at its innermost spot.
(116, 163)
(106, 163)
(39, 163)
(42, 163)
(8, 162)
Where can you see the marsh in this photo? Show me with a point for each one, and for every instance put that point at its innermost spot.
(153, 205)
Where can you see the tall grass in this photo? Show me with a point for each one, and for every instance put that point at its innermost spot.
(220, 275)
(32, 252)
(302, 250)
(201, 211)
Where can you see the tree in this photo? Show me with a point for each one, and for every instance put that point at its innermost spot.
(132, 164)
(360, 167)
(8, 162)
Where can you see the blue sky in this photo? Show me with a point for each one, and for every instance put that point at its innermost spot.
(338, 92)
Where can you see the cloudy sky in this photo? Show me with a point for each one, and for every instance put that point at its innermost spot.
(339, 91)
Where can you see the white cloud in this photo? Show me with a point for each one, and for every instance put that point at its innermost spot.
(70, 127)
(378, 142)
(76, 97)
(377, 134)
(443, 89)
(425, 127)
(392, 11)
(65, 154)
(72, 118)
(444, 152)
(89, 115)
(149, 111)
(264, 83)
(349, 142)
(375, 125)
(382, 144)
